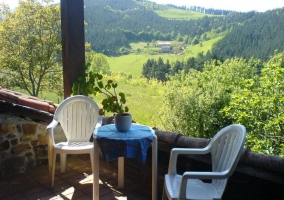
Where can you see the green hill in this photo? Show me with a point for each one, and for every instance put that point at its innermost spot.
(112, 26)
(258, 37)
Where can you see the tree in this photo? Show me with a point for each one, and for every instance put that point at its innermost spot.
(30, 47)
(259, 106)
(156, 69)
(178, 66)
(193, 101)
(98, 62)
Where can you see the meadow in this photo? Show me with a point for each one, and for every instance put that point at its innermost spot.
(132, 64)
(173, 13)
(143, 98)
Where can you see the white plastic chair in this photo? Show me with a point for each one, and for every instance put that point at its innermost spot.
(226, 148)
(78, 117)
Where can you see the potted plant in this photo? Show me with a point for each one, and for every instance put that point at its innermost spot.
(92, 83)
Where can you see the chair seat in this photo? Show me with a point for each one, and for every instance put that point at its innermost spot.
(73, 146)
(197, 189)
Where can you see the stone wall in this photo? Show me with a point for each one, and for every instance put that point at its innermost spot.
(23, 143)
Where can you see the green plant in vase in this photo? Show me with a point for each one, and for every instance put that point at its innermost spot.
(92, 84)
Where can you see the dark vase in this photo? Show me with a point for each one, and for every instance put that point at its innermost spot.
(123, 122)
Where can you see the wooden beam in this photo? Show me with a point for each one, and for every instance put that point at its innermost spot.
(73, 42)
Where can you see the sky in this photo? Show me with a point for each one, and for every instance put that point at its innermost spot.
(236, 5)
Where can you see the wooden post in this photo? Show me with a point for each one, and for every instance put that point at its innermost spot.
(73, 42)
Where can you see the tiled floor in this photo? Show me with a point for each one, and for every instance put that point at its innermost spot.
(75, 183)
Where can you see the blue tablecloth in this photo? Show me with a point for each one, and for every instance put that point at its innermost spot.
(131, 144)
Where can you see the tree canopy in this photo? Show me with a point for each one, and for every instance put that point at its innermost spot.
(200, 103)
(193, 100)
(258, 104)
(30, 47)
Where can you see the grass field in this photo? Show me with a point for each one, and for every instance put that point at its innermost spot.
(132, 64)
(192, 51)
(173, 13)
(143, 99)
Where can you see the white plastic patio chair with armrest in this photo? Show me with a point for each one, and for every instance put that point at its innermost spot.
(78, 116)
(226, 148)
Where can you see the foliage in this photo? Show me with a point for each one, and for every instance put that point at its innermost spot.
(92, 83)
(259, 105)
(156, 69)
(193, 100)
(159, 70)
(258, 37)
(30, 47)
(98, 62)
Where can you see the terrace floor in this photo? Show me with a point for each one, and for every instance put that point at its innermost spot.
(75, 183)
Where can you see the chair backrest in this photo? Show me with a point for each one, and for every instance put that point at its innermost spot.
(226, 149)
(78, 116)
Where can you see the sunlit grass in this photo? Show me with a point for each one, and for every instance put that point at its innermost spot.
(173, 13)
(143, 99)
(193, 50)
(133, 64)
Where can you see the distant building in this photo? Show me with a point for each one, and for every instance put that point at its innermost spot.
(165, 47)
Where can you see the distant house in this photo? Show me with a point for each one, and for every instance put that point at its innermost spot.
(165, 47)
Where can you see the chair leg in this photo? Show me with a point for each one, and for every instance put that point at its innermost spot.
(53, 170)
(92, 160)
(164, 196)
(62, 162)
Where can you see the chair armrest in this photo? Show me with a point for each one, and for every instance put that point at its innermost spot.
(205, 175)
(199, 175)
(99, 122)
(53, 124)
(184, 151)
(50, 132)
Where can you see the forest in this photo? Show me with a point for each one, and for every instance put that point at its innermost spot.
(111, 26)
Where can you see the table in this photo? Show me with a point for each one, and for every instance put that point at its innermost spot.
(133, 134)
